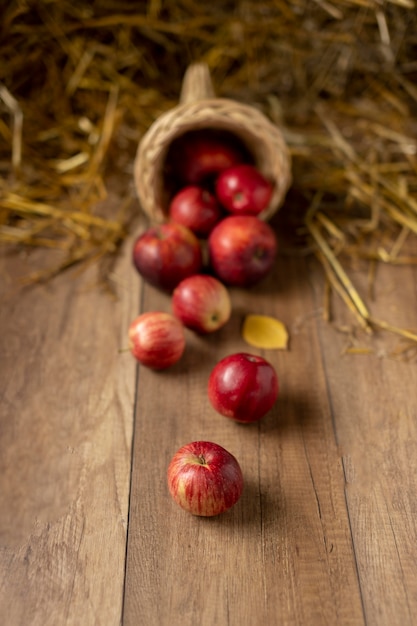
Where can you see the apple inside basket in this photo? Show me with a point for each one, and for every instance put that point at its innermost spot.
(201, 117)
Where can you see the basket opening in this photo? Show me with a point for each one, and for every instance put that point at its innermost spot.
(173, 161)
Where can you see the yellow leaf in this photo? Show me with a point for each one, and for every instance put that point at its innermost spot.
(263, 331)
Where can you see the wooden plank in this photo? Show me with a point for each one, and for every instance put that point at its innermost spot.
(66, 409)
(374, 400)
(284, 552)
(325, 531)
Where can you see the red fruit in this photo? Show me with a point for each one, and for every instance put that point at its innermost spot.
(166, 254)
(243, 387)
(203, 154)
(243, 190)
(202, 303)
(196, 208)
(242, 250)
(204, 478)
(157, 339)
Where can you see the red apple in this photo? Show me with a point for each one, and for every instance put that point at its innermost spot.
(203, 154)
(157, 339)
(242, 250)
(202, 303)
(197, 208)
(167, 253)
(243, 190)
(204, 478)
(243, 387)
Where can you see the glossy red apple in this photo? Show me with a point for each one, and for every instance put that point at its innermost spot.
(204, 478)
(157, 339)
(243, 387)
(202, 303)
(242, 250)
(203, 154)
(197, 208)
(243, 190)
(167, 253)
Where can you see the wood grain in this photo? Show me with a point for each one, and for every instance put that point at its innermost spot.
(285, 551)
(67, 396)
(374, 402)
(325, 531)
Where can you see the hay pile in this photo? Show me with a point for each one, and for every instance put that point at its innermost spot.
(81, 82)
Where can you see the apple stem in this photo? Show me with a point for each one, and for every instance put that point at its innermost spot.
(202, 460)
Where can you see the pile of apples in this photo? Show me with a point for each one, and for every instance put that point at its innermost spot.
(213, 217)
(213, 238)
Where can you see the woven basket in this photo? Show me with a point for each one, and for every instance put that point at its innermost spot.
(198, 109)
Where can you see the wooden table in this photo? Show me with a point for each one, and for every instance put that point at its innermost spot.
(325, 532)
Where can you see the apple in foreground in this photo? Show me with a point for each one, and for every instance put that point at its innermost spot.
(243, 190)
(202, 303)
(156, 339)
(242, 250)
(166, 253)
(243, 387)
(197, 208)
(204, 478)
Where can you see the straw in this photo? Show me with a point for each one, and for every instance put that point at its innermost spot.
(80, 86)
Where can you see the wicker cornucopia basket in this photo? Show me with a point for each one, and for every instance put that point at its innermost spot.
(200, 109)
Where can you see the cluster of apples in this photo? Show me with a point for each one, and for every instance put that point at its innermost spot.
(215, 207)
(213, 238)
